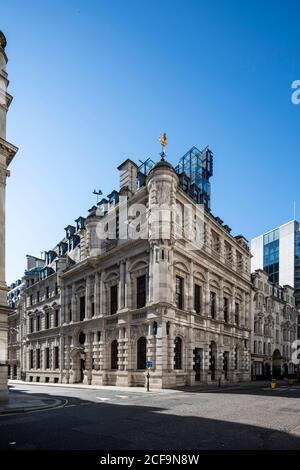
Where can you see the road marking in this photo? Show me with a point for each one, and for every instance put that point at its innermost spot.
(121, 396)
(103, 399)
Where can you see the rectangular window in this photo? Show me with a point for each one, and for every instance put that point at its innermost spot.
(56, 288)
(141, 291)
(197, 298)
(38, 323)
(47, 292)
(93, 309)
(47, 358)
(56, 317)
(31, 299)
(82, 308)
(179, 292)
(113, 299)
(225, 308)
(47, 320)
(237, 313)
(38, 296)
(56, 357)
(212, 304)
(99, 335)
(38, 358)
(31, 359)
(31, 325)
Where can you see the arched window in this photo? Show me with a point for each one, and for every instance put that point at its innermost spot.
(114, 355)
(141, 353)
(81, 338)
(178, 353)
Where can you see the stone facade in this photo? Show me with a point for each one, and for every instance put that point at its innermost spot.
(274, 328)
(100, 306)
(7, 153)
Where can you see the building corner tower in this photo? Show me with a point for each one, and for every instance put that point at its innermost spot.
(7, 153)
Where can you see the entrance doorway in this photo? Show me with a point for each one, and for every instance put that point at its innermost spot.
(197, 363)
(276, 364)
(82, 369)
(212, 359)
(225, 364)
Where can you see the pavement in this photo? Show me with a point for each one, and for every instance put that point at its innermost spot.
(247, 417)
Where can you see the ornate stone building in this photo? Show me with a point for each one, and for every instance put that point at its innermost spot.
(14, 330)
(149, 274)
(7, 153)
(274, 328)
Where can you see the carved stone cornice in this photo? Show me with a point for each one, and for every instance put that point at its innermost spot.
(7, 150)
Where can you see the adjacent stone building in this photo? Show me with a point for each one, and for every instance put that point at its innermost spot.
(14, 330)
(7, 153)
(149, 274)
(274, 328)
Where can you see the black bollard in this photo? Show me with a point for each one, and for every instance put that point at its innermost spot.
(148, 381)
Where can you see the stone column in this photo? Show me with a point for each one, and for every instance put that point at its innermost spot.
(207, 296)
(103, 309)
(220, 314)
(121, 290)
(191, 288)
(74, 304)
(97, 294)
(127, 282)
(233, 304)
(63, 308)
(88, 311)
(128, 289)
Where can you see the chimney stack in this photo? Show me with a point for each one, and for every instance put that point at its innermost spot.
(128, 175)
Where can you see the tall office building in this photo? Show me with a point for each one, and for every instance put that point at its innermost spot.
(278, 253)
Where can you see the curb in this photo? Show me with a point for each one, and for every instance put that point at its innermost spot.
(94, 387)
(33, 408)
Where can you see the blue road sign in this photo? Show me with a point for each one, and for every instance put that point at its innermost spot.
(149, 364)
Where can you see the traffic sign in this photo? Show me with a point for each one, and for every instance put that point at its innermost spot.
(149, 364)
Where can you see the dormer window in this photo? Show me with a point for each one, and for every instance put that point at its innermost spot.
(103, 207)
(70, 230)
(80, 223)
(113, 198)
(73, 242)
(62, 248)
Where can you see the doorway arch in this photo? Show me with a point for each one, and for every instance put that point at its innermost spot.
(276, 362)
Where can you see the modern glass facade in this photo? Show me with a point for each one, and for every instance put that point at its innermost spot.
(297, 267)
(271, 255)
(197, 166)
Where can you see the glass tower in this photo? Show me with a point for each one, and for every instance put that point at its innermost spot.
(271, 255)
(278, 253)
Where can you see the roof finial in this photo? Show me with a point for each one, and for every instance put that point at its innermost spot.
(163, 142)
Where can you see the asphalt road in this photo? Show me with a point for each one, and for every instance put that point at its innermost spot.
(247, 418)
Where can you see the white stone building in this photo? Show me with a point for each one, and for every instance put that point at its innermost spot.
(7, 153)
(146, 276)
(274, 328)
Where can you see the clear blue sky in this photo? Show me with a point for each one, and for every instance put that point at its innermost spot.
(95, 82)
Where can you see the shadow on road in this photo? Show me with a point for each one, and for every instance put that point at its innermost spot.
(85, 425)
